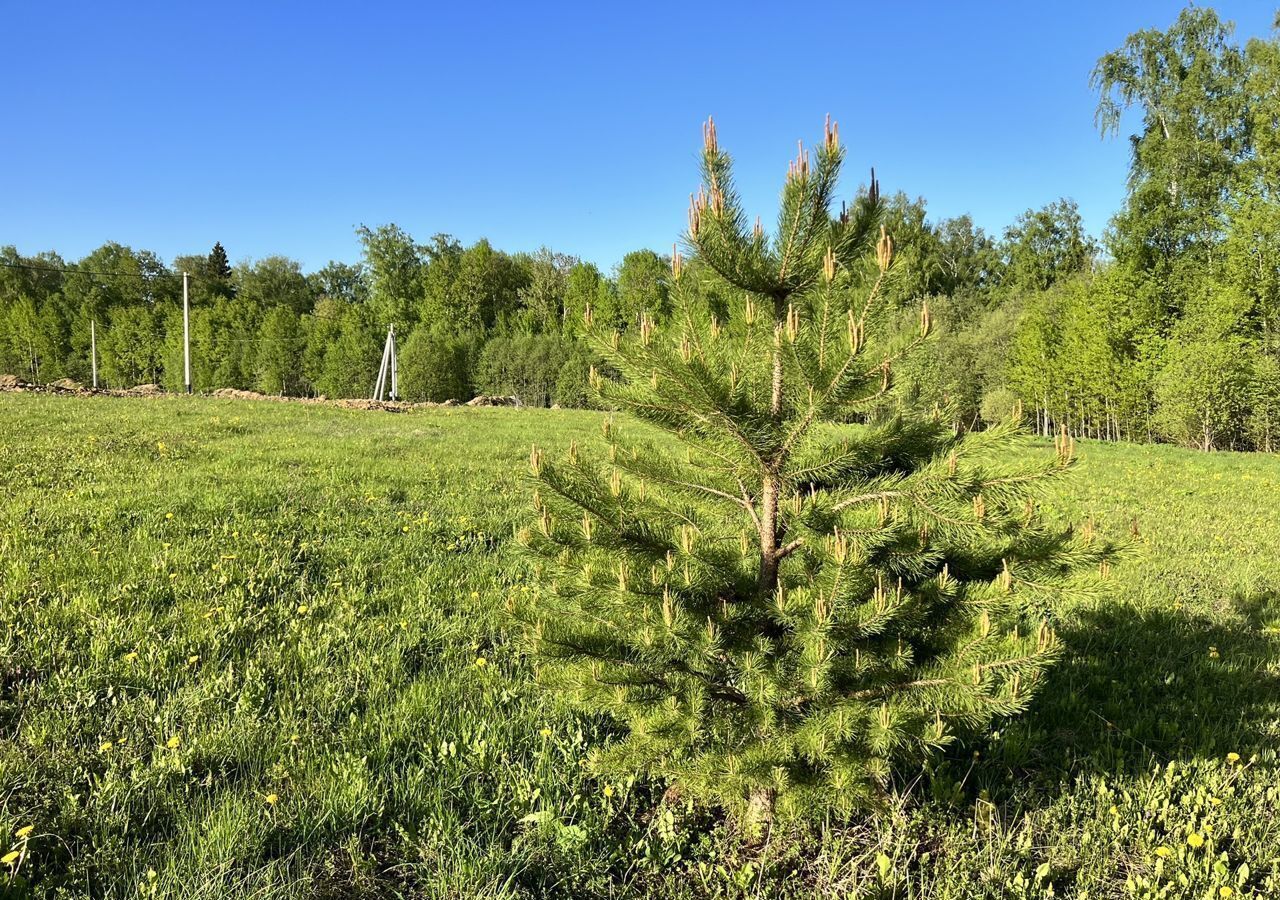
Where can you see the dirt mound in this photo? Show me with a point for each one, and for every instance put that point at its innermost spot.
(373, 404)
(12, 383)
(235, 394)
(66, 385)
(484, 400)
(144, 390)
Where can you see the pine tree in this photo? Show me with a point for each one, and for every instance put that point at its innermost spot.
(795, 599)
(219, 265)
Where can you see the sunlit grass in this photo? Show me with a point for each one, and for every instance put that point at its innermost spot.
(257, 650)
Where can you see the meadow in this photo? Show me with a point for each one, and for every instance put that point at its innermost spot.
(259, 650)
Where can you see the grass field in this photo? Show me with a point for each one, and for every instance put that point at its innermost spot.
(257, 649)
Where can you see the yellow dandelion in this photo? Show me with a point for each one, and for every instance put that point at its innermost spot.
(168, 515)
(193, 659)
(273, 799)
(131, 656)
(546, 732)
(10, 858)
(1195, 839)
(174, 742)
(24, 831)
(105, 746)
(404, 528)
(1225, 891)
(1164, 852)
(608, 790)
(1215, 801)
(302, 610)
(481, 662)
(1233, 758)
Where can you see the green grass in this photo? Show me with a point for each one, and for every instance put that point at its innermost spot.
(309, 600)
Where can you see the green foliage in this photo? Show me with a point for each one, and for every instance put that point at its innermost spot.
(791, 605)
(218, 266)
(434, 368)
(273, 281)
(1046, 246)
(350, 359)
(1203, 392)
(642, 290)
(131, 347)
(1187, 83)
(523, 366)
(394, 266)
(278, 368)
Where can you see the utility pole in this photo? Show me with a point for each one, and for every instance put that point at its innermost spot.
(387, 372)
(395, 381)
(186, 331)
(93, 351)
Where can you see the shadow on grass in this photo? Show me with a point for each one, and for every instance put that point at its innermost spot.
(1140, 686)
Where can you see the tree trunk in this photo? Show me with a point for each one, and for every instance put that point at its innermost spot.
(758, 818)
(770, 488)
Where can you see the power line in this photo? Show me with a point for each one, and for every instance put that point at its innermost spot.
(70, 271)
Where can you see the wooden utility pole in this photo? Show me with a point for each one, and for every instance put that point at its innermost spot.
(93, 351)
(186, 331)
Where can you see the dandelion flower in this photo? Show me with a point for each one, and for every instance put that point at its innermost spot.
(24, 831)
(481, 662)
(1163, 852)
(1195, 839)
(10, 858)
(546, 732)
(131, 656)
(174, 742)
(105, 746)
(193, 659)
(1225, 891)
(608, 790)
(1233, 758)
(168, 515)
(302, 610)
(273, 799)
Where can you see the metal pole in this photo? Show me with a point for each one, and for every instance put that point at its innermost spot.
(93, 351)
(186, 331)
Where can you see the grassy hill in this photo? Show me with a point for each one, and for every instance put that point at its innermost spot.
(257, 649)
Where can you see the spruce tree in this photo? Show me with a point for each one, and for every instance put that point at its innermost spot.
(219, 265)
(781, 599)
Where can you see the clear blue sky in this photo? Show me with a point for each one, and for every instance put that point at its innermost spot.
(277, 127)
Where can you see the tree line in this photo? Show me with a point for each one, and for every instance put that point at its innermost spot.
(1164, 329)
